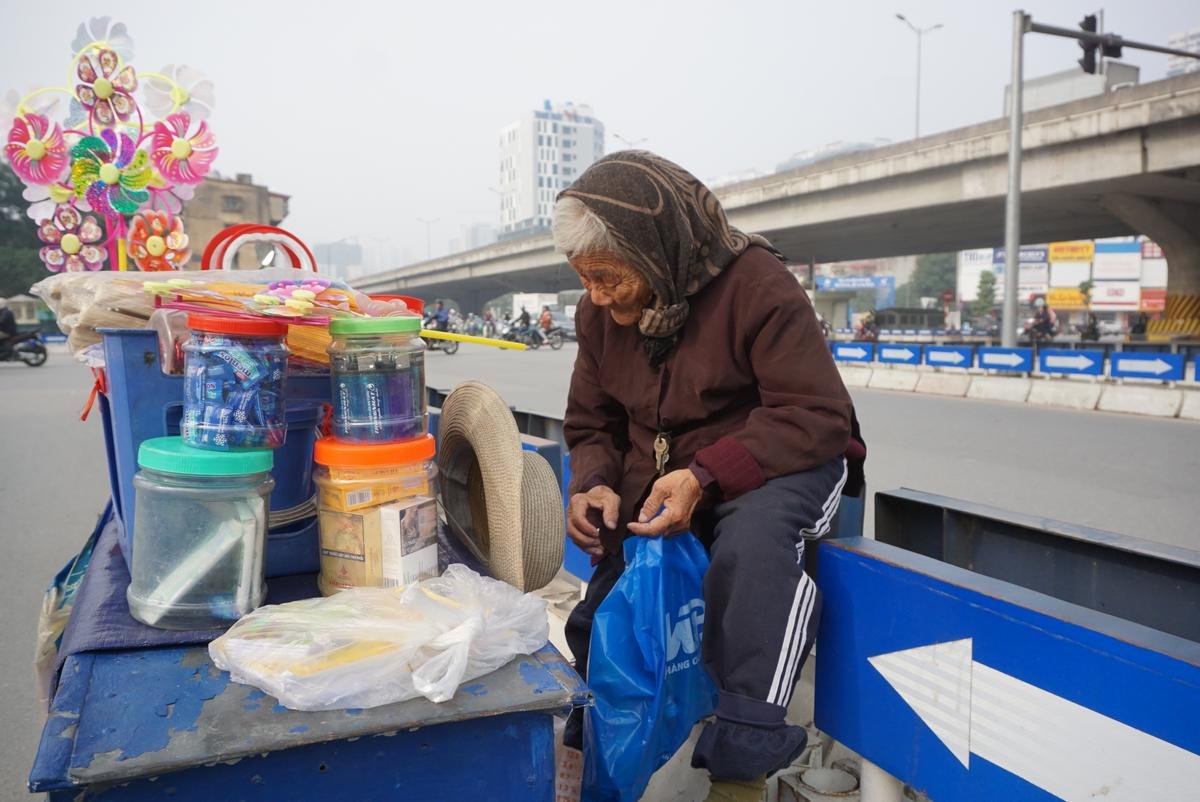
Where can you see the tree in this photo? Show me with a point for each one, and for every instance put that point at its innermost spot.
(935, 273)
(985, 300)
(20, 266)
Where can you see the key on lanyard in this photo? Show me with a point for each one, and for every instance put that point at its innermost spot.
(662, 452)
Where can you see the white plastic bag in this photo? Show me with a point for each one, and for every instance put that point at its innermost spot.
(366, 647)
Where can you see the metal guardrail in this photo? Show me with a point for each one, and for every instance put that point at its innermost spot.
(1152, 584)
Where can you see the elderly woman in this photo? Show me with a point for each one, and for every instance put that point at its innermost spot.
(703, 398)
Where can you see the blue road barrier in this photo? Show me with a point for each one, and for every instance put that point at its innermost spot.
(1146, 365)
(949, 356)
(853, 352)
(898, 353)
(1071, 362)
(1014, 360)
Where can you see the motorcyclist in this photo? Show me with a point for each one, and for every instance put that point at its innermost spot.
(545, 323)
(1045, 322)
(441, 317)
(868, 330)
(8, 329)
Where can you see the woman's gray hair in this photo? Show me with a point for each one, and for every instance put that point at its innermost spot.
(577, 229)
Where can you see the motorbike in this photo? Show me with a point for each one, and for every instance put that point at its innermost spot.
(433, 344)
(27, 348)
(530, 338)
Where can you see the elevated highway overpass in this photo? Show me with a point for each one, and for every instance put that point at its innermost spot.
(1127, 162)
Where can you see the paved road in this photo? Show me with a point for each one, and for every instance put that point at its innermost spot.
(1127, 474)
(1123, 473)
(53, 484)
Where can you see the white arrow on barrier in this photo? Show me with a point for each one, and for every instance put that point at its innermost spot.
(1157, 367)
(952, 357)
(1078, 362)
(1061, 747)
(896, 353)
(855, 352)
(1010, 360)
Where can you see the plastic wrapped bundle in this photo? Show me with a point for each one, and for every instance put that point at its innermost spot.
(366, 647)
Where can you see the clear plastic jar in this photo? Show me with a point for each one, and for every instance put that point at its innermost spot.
(377, 366)
(199, 534)
(235, 375)
(377, 512)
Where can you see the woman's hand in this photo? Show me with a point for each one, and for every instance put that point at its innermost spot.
(677, 494)
(583, 532)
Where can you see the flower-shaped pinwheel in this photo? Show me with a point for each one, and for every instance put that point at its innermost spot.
(43, 200)
(113, 35)
(110, 173)
(71, 239)
(180, 158)
(178, 87)
(157, 242)
(106, 93)
(36, 151)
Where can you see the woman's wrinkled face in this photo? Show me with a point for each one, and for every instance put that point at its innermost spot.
(614, 284)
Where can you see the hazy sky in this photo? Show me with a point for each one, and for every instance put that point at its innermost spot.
(373, 114)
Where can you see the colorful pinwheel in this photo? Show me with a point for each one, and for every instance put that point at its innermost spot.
(180, 158)
(105, 91)
(157, 242)
(71, 239)
(110, 173)
(108, 158)
(36, 151)
(178, 87)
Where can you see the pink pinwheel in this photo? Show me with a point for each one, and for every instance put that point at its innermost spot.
(71, 239)
(182, 159)
(37, 152)
(110, 173)
(106, 96)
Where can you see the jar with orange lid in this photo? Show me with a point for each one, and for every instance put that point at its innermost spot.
(377, 512)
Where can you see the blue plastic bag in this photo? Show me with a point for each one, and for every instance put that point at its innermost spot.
(644, 667)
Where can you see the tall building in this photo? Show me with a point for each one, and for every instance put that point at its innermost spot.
(1184, 40)
(540, 155)
(341, 260)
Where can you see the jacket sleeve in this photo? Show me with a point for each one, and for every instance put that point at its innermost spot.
(805, 412)
(596, 427)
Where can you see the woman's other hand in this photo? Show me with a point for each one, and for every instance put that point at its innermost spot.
(677, 495)
(583, 532)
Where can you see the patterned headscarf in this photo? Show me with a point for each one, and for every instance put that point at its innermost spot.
(672, 228)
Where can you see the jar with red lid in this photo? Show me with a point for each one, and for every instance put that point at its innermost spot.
(235, 375)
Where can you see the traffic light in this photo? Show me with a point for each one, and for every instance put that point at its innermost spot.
(1088, 62)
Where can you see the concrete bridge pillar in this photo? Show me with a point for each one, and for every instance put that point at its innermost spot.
(1175, 226)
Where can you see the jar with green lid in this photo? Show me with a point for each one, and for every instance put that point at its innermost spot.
(377, 367)
(199, 533)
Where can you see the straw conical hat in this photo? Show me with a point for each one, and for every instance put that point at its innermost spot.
(503, 503)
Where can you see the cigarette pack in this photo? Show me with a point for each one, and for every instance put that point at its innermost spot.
(385, 546)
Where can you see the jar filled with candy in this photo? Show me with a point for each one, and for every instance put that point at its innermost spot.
(235, 371)
(377, 366)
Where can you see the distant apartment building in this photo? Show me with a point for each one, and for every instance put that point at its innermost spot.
(540, 155)
(474, 235)
(1184, 40)
(339, 260)
(220, 202)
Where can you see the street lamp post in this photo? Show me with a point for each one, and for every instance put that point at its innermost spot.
(428, 235)
(920, 32)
